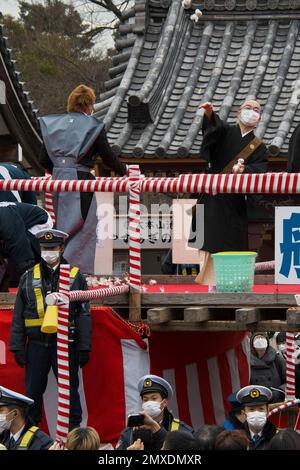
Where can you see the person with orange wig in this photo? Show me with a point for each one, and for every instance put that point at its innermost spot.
(71, 143)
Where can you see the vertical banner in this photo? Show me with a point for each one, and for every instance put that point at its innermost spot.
(182, 220)
(104, 244)
(287, 245)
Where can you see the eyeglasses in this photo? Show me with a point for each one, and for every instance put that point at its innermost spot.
(254, 108)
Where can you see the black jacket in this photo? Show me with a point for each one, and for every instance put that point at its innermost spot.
(269, 371)
(126, 435)
(224, 221)
(293, 165)
(16, 171)
(25, 308)
(40, 440)
(269, 431)
(21, 247)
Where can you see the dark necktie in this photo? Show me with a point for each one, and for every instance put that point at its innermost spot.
(11, 443)
(255, 438)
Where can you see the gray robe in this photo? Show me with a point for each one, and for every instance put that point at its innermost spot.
(68, 138)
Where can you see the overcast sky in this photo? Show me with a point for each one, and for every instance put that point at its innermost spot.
(9, 6)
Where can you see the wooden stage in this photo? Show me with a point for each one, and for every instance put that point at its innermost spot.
(176, 303)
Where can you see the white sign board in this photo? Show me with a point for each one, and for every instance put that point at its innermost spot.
(182, 220)
(103, 263)
(287, 245)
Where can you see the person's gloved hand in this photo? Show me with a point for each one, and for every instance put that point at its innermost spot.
(83, 358)
(20, 358)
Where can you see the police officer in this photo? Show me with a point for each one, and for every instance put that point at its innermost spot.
(18, 224)
(255, 400)
(155, 393)
(37, 351)
(16, 171)
(16, 429)
(236, 416)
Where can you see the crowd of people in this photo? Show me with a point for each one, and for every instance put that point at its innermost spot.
(154, 428)
(31, 252)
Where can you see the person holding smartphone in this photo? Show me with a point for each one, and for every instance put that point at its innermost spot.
(155, 393)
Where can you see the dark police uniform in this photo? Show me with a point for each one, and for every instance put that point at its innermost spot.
(257, 395)
(233, 422)
(31, 437)
(151, 384)
(21, 246)
(15, 171)
(41, 348)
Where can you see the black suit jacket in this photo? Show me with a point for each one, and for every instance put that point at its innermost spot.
(40, 440)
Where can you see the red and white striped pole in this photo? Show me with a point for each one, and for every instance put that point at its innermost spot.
(290, 367)
(134, 228)
(63, 412)
(49, 201)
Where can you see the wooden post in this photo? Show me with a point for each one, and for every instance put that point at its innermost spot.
(197, 314)
(293, 316)
(158, 315)
(247, 315)
(134, 304)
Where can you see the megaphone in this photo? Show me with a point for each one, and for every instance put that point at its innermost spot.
(50, 320)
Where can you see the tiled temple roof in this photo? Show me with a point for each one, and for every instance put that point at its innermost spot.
(18, 111)
(166, 65)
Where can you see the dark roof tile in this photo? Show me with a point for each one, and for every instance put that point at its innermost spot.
(18, 112)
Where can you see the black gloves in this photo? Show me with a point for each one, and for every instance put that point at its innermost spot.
(20, 358)
(83, 358)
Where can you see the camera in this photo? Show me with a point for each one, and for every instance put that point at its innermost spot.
(135, 421)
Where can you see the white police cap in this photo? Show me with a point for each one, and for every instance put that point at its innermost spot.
(51, 236)
(254, 394)
(9, 397)
(153, 383)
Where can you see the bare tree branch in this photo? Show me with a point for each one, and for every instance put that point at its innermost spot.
(109, 5)
(99, 29)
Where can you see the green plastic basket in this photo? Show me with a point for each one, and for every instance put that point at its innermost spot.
(234, 270)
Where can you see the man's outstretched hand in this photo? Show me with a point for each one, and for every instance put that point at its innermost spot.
(208, 108)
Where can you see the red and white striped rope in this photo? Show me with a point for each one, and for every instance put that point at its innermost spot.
(262, 183)
(56, 298)
(48, 196)
(290, 366)
(284, 406)
(63, 412)
(135, 278)
(265, 266)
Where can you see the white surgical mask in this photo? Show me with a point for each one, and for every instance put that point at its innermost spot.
(152, 408)
(260, 343)
(50, 257)
(4, 424)
(256, 419)
(249, 117)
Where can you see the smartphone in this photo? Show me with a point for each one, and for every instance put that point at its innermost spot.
(135, 421)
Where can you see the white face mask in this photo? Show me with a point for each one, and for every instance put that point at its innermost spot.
(256, 419)
(50, 257)
(249, 117)
(152, 408)
(260, 343)
(4, 424)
